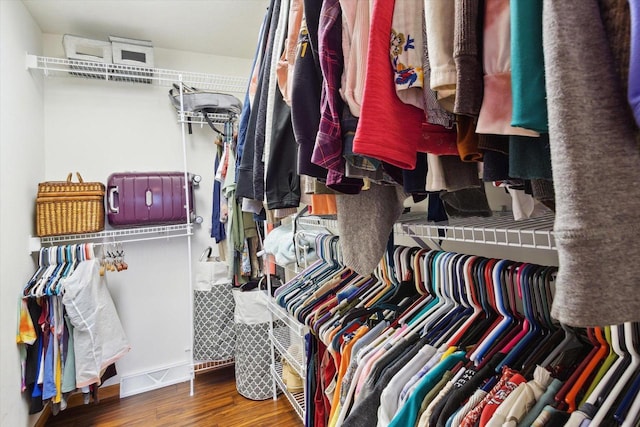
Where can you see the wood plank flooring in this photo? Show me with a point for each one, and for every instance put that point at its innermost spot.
(216, 403)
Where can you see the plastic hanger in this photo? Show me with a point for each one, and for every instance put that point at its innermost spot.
(345, 279)
(418, 260)
(599, 393)
(451, 308)
(489, 317)
(570, 383)
(461, 310)
(39, 288)
(530, 330)
(460, 295)
(601, 350)
(43, 264)
(431, 313)
(467, 297)
(550, 337)
(626, 414)
(506, 319)
(414, 326)
(621, 381)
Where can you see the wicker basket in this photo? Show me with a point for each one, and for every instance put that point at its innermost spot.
(65, 207)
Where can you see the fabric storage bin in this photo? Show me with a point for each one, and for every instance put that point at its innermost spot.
(253, 347)
(83, 49)
(137, 55)
(214, 331)
(65, 207)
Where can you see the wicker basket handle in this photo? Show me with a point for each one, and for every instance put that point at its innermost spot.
(80, 180)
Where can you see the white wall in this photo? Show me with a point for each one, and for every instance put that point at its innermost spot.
(21, 168)
(53, 126)
(97, 128)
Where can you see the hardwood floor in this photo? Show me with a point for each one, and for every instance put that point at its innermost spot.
(215, 403)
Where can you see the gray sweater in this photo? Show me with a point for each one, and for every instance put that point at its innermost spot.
(596, 168)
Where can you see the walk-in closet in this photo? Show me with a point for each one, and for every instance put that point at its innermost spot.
(320, 213)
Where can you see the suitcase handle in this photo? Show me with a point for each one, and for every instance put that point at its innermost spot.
(112, 206)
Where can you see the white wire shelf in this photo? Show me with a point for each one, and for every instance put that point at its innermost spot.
(280, 313)
(125, 235)
(282, 341)
(200, 366)
(127, 73)
(296, 399)
(328, 223)
(500, 229)
(198, 118)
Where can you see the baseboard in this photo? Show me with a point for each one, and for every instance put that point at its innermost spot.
(104, 393)
(141, 382)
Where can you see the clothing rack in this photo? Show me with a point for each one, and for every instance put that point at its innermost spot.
(69, 330)
(531, 306)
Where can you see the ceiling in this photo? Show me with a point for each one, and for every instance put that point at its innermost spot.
(216, 27)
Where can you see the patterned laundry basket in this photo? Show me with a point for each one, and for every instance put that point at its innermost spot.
(214, 331)
(253, 347)
(253, 361)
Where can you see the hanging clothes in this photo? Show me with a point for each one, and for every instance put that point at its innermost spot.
(471, 341)
(584, 201)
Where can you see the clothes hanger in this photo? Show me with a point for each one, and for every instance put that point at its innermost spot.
(484, 288)
(433, 311)
(315, 315)
(612, 356)
(58, 274)
(531, 331)
(480, 297)
(334, 317)
(320, 291)
(469, 299)
(601, 349)
(460, 295)
(316, 277)
(450, 307)
(43, 264)
(633, 416)
(426, 298)
(69, 266)
(505, 320)
(619, 384)
(322, 297)
(441, 280)
(418, 274)
(625, 415)
(551, 336)
(599, 393)
(413, 319)
(458, 313)
(39, 287)
(561, 396)
(517, 330)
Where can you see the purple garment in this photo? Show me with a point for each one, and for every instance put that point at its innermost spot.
(633, 92)
(328, 148)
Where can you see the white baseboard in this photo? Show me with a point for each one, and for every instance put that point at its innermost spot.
(150, 380)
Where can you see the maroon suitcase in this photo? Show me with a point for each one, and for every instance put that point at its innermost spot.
(149, 198)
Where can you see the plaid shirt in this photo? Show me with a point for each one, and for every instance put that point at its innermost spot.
(327, 151)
